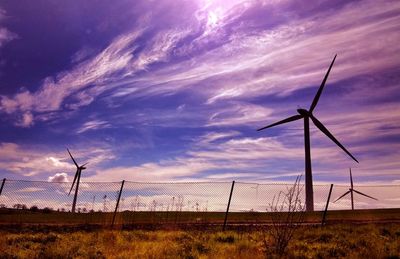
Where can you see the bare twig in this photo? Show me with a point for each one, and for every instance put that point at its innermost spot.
(287, 213)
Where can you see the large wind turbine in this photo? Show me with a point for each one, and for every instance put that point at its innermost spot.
(306, 115)
(77, 179)
(351, 190)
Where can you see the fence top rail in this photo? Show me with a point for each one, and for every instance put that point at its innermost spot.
(119, 182)
(204, 182)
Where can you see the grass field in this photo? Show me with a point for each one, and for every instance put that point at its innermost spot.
(332, 241)
(51, 234)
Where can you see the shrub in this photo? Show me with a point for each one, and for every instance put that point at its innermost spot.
(287, 213)
(34, 208)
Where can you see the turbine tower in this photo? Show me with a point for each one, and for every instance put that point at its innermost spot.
(306, 115)
(77, 179)
(351, 190)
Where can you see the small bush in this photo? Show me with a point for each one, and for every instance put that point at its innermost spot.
(34, 208)
(287, 213)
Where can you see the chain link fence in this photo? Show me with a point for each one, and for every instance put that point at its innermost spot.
(142, 203)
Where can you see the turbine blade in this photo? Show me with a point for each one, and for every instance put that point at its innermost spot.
(73, 182)
(84, 164)
(342, 196)
(329, 135)
(316, 98)
(351, 179)
(292, 118)
(365, 195)
(72, 158)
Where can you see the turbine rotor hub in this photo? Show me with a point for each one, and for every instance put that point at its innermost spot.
(303, 112)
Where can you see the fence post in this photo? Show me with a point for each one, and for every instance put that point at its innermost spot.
(229, 204)
(326, 207)
(2, 185)
(116, 206)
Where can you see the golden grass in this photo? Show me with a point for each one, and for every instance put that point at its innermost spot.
(335, 241)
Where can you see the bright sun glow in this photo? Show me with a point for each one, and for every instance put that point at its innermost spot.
(212, 19)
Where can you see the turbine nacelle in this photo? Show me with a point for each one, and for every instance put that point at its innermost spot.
(82, 167)
(303, 112)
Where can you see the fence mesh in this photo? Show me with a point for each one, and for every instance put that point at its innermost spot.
(26, 201)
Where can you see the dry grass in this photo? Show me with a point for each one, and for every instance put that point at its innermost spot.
(336, 241)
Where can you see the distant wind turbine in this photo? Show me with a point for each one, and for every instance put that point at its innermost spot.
(306, 115)
(351, 190)
(77, 179)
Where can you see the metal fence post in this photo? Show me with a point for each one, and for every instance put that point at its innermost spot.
(116, 206)
(2, 185)
(229, 204)
(326, 207)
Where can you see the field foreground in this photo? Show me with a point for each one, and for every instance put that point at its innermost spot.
(332, 241)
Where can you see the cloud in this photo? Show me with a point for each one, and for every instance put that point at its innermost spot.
(230, 155)
(5, 35)
(159, 48)
(211, 137)
(29, 161)
(58, 178)
(93, 125)
(56, 162)
(239, 113)
(153, 172)
(92, 77)
(26, 120)
(228, 151)
(267, 58)
(53, 91)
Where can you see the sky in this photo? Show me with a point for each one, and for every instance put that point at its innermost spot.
(174, 90)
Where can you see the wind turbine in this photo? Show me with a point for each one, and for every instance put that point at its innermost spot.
(306, 115)
(77, 179)
(351, 190)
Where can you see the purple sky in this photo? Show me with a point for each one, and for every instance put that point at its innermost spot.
(175, 90)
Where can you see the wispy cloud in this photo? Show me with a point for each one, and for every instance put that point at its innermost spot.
(250, 158)
(236, 113)
(23, 161)
(267, 60)
(95, 71)
(5, 35)
(93, 125)
(92, 77)
(211, 137)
